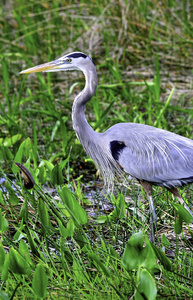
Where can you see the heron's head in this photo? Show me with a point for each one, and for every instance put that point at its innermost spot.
(71, 61)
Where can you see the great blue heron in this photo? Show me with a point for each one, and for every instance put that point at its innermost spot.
(153, 156)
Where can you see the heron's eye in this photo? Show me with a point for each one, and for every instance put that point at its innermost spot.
(68, 60)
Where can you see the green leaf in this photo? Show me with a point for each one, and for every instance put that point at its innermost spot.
(146, 288)
(6, 153)
(18, 157)
(4, 296)
(24, 251)
(162, 258)
(136, 255)
(68, 231)
(24, 149)
(2, 257)
(9, 141)
(17, 263)
(164, 240)
(27, 147)
(184, 214)
(178, 225)
(42, 174)
(64, 162)
(3, 223)
(132, 255)
(13, 199)
(76, 212)
(40, 282)
(102, 219)
(1, 198)
(44, 215)
(24, 211)
(48, 164)
(56, 175)
(119, 210)
(5, 270)
(148, 259)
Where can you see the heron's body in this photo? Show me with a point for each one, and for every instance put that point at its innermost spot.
(151, 155)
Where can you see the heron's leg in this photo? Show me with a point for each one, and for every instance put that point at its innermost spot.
(176, 193)
(147, 186)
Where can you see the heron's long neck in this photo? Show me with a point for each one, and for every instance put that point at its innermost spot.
(83, 130)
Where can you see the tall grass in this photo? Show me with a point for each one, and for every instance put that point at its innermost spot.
(64, 239)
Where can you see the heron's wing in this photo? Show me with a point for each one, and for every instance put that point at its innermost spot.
(152, 154)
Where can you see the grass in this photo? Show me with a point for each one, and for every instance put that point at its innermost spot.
(53, 246)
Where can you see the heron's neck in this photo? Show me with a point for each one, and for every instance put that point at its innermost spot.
(83, 130)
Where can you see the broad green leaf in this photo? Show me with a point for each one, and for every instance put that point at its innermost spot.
(13, 199)
(5, 270)
(9, 141)
(27, 147)
(43, 214)
(56, 175)
(76, 212)
(146, 288)
(136, 240)
(40, 282)
(24, 251)
(64, 162)
(3, 223)
(178, 225)
(149, 259)
(162, 258)
(136, 255)
(132, 255)
(24, 211)
(42, 176)
(17, 263)
(4, 296)
(1, 198)
(20, 232)
(183, 213)
(2, 257)
(24, 149)
(6, 153)
(48, 164)
(63, 209)
(119, 210)
(68, 231)
(164, 240)
(102, 219)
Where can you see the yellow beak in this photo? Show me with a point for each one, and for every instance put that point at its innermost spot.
(47, 67)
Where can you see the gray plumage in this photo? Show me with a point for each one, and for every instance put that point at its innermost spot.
(151, 155)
